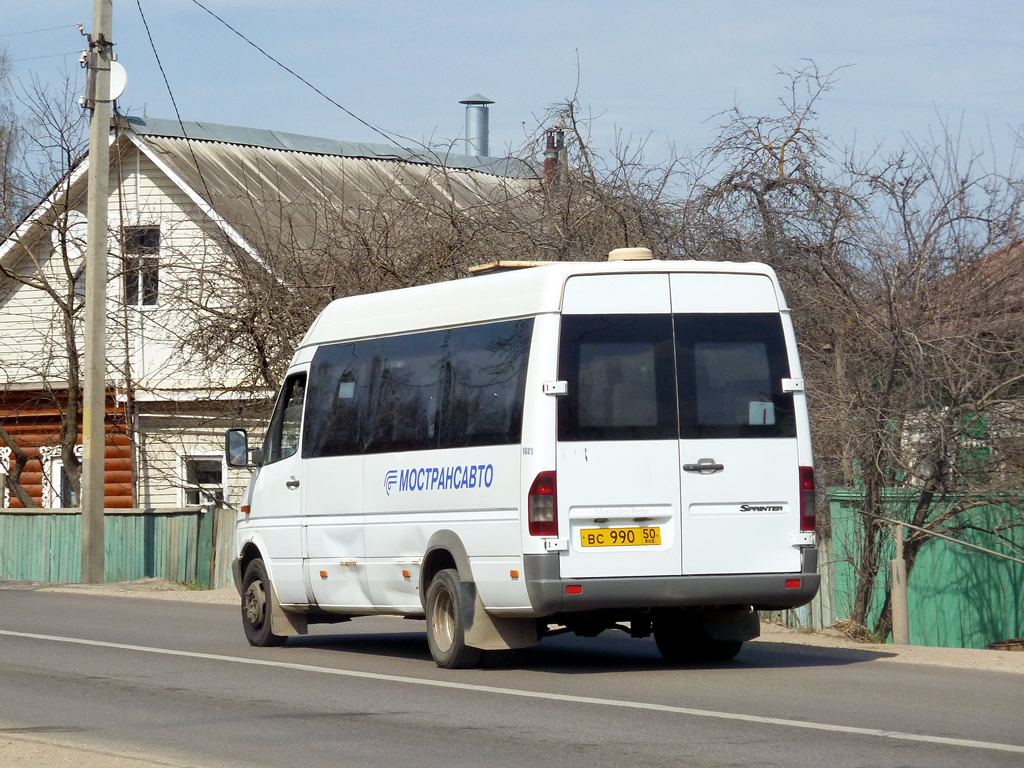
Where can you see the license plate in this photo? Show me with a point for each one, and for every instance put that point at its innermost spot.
(620, 537)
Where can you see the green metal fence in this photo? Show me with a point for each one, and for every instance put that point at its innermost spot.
(958, 597)
(174, 544)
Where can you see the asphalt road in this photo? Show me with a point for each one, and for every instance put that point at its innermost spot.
(177, 681)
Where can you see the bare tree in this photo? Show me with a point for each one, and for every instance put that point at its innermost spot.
(11, 201)
(52, 144)
(597, 200)
(905, 275)
(935, 360)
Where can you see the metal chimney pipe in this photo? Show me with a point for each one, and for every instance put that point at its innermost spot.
(477, 131)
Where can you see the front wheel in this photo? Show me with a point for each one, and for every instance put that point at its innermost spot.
(446, 625)
(256, 607)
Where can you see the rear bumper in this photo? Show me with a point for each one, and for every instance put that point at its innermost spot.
(763, 591)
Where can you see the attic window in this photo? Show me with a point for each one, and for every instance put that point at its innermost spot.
(141, 265)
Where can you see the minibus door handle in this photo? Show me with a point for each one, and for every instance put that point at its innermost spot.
(293, 483)
(704, 466)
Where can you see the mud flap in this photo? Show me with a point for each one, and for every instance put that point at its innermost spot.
(741, 625)
(283, 622)
(495, 633)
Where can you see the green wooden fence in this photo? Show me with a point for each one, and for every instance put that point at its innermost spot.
(174, 544)
(958, 597)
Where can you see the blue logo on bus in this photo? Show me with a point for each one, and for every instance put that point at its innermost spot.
(454, 478)
(390, 481)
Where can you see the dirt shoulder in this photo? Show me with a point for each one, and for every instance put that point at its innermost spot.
(153, 589)
(31, 751)
(962, 658)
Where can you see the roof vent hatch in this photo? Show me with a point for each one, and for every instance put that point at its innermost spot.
(630, 254)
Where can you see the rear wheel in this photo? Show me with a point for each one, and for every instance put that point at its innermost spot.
(446, 625)
(682, 639)
(256, 596)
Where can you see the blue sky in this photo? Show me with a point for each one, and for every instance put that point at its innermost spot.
(655, 70)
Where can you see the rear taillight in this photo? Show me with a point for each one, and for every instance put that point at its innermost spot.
(542, 504)
(806, 498)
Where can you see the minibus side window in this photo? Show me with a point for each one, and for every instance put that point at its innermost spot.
(437, 389)
(405, 389)
(620, 375)
(731, 368)
(485, 384)
(286, 423)
(336, 401)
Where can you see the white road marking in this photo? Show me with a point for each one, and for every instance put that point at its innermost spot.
(636, 705)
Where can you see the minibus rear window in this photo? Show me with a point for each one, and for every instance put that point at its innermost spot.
(731, 368)
(624, 379)
(619, 371)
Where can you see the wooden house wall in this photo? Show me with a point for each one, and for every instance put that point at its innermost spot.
(168, 432)
(34, 424)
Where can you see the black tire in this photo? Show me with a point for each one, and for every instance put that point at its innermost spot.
(682, 639)
(256, 597)
(446, 624)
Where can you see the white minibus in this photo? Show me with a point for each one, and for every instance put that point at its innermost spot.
(565, 447)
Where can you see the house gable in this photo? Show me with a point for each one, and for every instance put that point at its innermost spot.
(31, 322)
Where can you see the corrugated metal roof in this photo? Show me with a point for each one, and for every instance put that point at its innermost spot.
(509, 167)
(273, 186)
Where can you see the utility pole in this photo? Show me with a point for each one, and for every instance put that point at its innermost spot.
(94, 398)
(900, 608)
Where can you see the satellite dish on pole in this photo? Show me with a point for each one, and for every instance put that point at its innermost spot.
(118, 80)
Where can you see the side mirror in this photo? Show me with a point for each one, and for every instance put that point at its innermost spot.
(236, 448)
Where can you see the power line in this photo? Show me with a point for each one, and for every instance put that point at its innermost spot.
(301, 79)
(49, 56)
(188, 141)
(35, 31)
